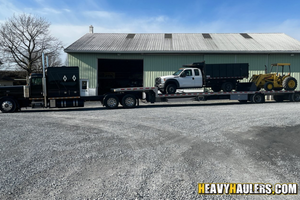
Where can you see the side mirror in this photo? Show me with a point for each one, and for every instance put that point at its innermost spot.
(183, 74)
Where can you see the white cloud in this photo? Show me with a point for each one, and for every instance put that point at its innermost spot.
(101, 15)
(67, 10)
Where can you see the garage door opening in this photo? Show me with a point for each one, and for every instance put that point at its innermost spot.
(115, 73)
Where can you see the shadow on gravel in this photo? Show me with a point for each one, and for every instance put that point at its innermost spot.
(61, 110)
(196, 104)
(274, 146)
(142, 105)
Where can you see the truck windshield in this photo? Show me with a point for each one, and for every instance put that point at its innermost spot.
(178, 72)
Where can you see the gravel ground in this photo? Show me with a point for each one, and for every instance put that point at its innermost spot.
(156, 151)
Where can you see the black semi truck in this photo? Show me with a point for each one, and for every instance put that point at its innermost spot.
(59, 88)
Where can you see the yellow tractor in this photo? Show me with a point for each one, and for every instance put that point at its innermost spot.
(274, 80)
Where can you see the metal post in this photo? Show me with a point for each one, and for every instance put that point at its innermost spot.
(44, 82)
(47, 61)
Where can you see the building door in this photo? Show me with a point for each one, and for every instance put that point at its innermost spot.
(84, 87)
(118, 73)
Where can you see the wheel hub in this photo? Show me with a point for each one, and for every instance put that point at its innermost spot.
(111, 102)
(7, 105)
(129, 101)
(291, 84)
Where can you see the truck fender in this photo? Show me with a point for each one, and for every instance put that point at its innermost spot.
(173, 81)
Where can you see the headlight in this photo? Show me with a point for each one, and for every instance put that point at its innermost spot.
(158, 80)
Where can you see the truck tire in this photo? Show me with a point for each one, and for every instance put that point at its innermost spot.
(289, 83)
(129, 101)
(111, 101)
(171, 89)
(227, 87)
(258, 98)
(295, 97)
(7, 105)
(268, 86)
(216, 88)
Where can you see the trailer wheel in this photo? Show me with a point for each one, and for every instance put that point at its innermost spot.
(289, 83)
(268, 86)
(171, 89)
(129, 101)
(295, 97)
(258, 98)
(227, 87)
(111, 101)
(7, 105)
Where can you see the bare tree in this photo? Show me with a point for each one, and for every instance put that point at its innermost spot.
(24, 38)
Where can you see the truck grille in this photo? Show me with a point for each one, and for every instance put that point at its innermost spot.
(157, 81)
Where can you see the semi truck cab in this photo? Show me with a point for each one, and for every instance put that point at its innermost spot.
(59, 88)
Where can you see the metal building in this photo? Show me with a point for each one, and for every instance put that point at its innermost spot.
(108, 60)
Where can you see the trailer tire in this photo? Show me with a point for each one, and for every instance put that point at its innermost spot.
(289, 83)
(129, 101)
(268, 86)
(8, 105)
(295, 97)
(258, 98)
(171, 89)
(227, 87)
(111, 101)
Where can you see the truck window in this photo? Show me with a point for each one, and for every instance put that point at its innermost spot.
(188, 72)
(84, 85)
(36, 81)
(178, 72)
(196, 72)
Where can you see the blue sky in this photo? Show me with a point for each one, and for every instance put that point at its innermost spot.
(70, 19)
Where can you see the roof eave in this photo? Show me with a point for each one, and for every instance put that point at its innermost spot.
(185, 52)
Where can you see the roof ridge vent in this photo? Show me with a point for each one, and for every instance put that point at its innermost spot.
(130, 35)
(206, 35)
(168, 35)
(245, 35)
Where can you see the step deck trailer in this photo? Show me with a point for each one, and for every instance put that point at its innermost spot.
(129, 97)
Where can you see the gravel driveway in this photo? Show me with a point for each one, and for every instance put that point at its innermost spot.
(159, 151)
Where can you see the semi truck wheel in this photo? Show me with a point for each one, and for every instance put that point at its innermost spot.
(129, 101)
(227, 87)
(171, 89)
(111, 101)
(7, 105)
(289, 83)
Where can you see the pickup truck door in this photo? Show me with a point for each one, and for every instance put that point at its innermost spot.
(188, 80)
(198, 78)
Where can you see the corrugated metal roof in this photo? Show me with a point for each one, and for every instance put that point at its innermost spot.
(185, 43)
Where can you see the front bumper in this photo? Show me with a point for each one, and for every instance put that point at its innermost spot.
(160, 86)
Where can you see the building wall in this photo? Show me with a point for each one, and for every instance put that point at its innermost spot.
(164, 64)
(6, 83)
